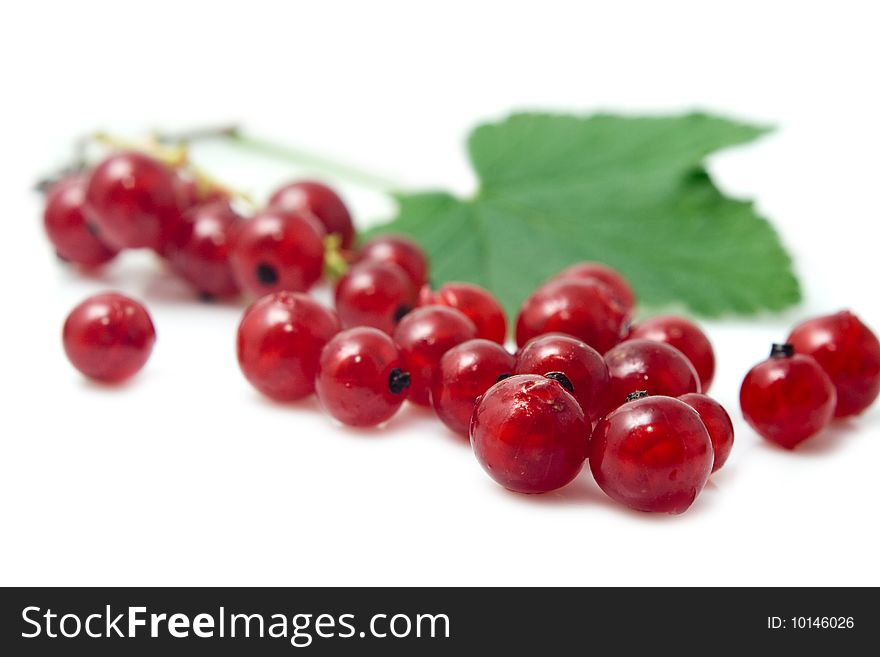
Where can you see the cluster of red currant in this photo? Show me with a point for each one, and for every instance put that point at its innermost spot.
(584, 384)
(131, 200)
(828, 368)
(636, 393)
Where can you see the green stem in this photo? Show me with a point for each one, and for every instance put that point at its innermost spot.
(335, 264)
(303, 158)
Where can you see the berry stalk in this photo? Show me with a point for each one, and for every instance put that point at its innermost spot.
(174, 152)
(304, 158)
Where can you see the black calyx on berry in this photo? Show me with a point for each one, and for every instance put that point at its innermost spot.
(561, 379)
(501, 377)
(779, 350)
(398, 381)
(638, 394)
(267, 274)
(401, 312)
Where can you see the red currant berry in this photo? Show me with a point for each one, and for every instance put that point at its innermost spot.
(466, 372)
(280, 339)
(109, 337)
(191, 194)
(478, 304)
(66, 225)
(596, 271)
(187, 191)
(134, 201)
(200, 249)
(277, 251)
(652, 454)
(717, 423)
(647, 365)
(580, 363)
(423, 336)
(588, 310)
(323, 203)
(361, 381)
(685, 336)
(403, 252)
(530, 434)
(849, 352)
(374, 293)
(788, 397)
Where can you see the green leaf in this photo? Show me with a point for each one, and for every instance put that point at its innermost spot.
(630, 192)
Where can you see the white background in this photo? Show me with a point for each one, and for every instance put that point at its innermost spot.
(187, 476)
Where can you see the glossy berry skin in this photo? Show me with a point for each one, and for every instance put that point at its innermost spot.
(403, 252)
(423, 336)
(108, 337)
(849, 352)
(477, 303)
(787, 398)
(310, 197)
(530, 434)
(280, 339)
(587, 310)
(64, 219)
(652, 454)
(134, 201)
(596, 271)
(200, 249)
(651, 366)
(360, 380)
(467, 371)
(685, 336)
(374, 293)
(276, 251)
(717, 423)
(583, 365)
